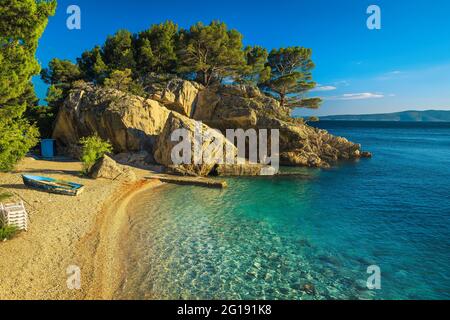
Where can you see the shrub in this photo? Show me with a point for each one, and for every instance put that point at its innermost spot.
(8, 232)
(16, 139)
(94, 148)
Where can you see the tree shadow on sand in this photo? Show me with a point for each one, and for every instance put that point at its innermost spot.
(73, 173)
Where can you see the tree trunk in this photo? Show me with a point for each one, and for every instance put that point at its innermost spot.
(282, 99)
(205, 79)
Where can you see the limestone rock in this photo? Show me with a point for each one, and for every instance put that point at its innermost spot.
(107, 168)
(129, 122)
(142, 160)
(134, 124)
(229, 107)
(179, 95)
(245, 107)
(165, 147)
(245, 169)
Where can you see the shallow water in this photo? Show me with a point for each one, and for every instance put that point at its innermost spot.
(276, 238)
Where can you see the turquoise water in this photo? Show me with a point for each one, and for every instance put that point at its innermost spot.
(308, 236)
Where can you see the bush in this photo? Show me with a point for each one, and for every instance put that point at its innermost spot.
(16, 138)
(94, 148)
(8, 232)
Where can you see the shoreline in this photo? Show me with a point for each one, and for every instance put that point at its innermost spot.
(107, 265)
(66, 231)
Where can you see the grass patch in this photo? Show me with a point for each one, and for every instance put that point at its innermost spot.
(5, 195)
(8, 232)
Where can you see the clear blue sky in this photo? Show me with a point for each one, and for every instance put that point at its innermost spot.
(405, 65)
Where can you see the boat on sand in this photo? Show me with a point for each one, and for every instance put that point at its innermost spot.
(53, 185)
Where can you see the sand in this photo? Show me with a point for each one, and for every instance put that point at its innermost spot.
(66, 231)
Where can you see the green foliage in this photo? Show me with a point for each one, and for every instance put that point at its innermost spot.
(310, 103)
(117, 52)
(211, 53)
(54, 95)
(93, 149)
(122, 80)
(255, 71)
(92, 65)
(61, 72)
(43, 117)
(60, 75)
(5, 196)
(313, 119)
(119, 80)
(17, 136)
(291, 76)
(7, 232)
(156, 48)
(21, 26)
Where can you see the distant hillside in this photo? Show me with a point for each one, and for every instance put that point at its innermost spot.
(416, 116)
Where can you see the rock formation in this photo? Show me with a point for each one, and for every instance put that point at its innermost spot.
(107, 168)
(129, 122)
(246, 107)
(178, 95)
(134, 124)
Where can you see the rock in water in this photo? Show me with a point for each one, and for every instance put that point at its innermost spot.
(165, 146)
(107, 168)
(309, 289)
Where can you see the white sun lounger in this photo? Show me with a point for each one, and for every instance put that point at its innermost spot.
(14, 215)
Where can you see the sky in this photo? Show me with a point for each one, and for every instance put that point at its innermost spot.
(403, 66)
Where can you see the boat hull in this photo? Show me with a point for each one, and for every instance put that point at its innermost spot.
(52, 185)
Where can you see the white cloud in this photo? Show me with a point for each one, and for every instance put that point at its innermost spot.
(357, 96)
(323, 88)
(343, 83)
(390, 75)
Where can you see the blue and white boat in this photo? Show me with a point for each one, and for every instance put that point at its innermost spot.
(53, 185)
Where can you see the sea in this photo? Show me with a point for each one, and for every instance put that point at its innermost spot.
(370, 229)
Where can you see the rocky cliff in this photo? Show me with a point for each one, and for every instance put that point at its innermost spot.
(246, 107)
(134, 124)
(129, 122)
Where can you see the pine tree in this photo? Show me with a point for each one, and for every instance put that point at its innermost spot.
(211, 53)
(255, 71)
(158, 44)
(21, 26)
(61, 73)
(118, 53)
(291, 77)
(122, 80)
(92, 66)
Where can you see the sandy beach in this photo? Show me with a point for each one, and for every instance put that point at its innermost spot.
(65, 231)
